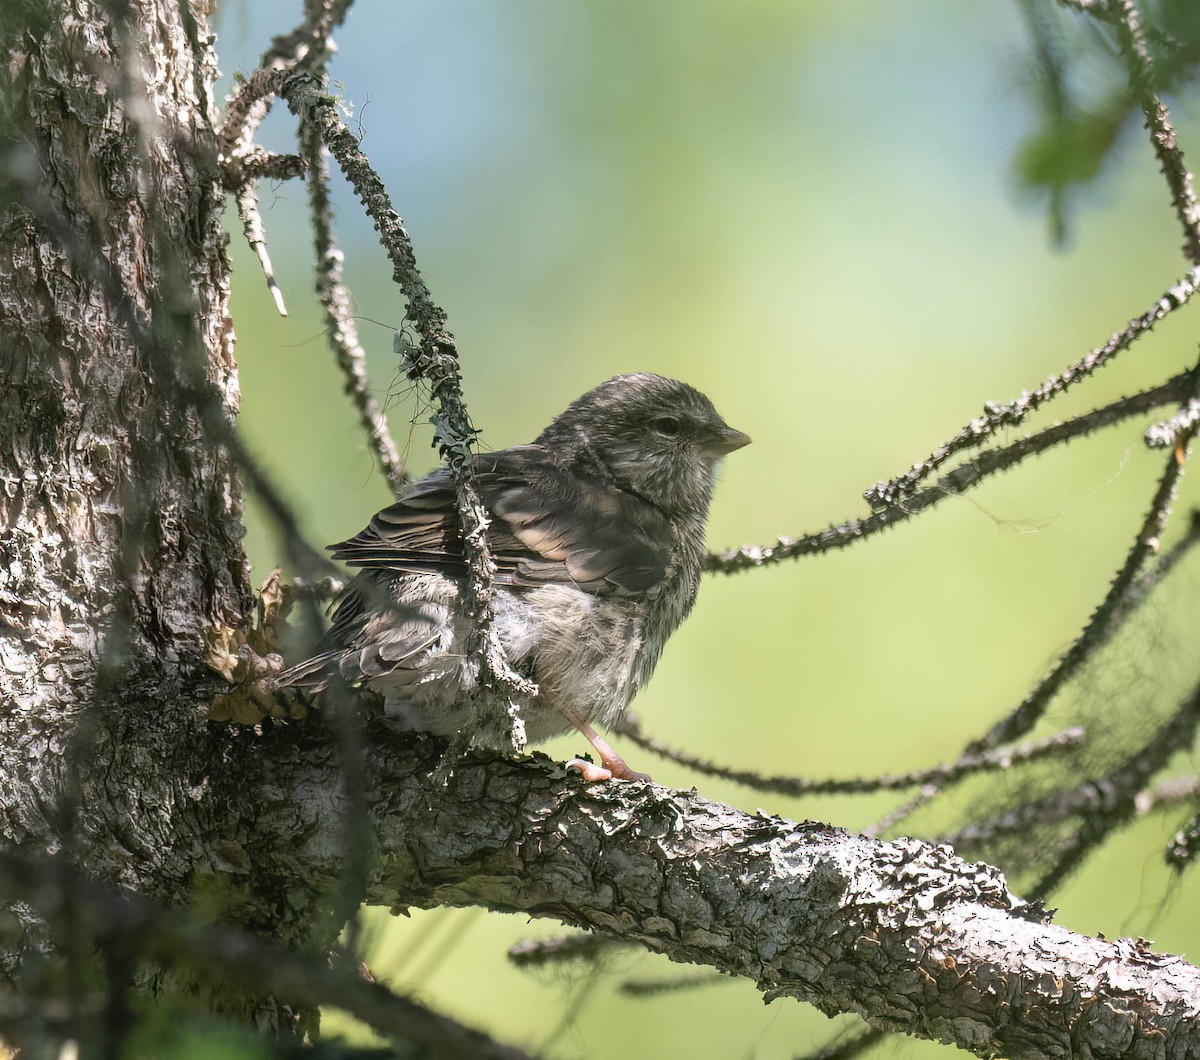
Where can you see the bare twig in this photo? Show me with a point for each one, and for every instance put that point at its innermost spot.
(848, 1047)
(257, 163)
(335, 299)
(1136, 595)
(1118, 603)
(1089, 796)
(245, 109)
(1165, 434)
(644, 989)
(247, 204)
(997, 416)
(1132, 42)
(1182, 849)
(241, 159)
(268, 165)
(953, 483)
(581, 945)
(1115, 796)
(945, 773)
(1167, 793)
(1099, 8)
(435, 360)
(309, 44)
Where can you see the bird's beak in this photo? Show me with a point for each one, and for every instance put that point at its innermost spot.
(726, 441)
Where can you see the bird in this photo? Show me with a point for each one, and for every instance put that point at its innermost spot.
(596, 529)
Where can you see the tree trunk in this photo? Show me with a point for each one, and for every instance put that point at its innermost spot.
(121, 521)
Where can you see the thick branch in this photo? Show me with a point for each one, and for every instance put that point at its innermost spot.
(906, 934)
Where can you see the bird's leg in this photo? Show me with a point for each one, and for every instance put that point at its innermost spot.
(611, 763)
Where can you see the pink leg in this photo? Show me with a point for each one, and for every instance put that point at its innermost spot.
(611, 763)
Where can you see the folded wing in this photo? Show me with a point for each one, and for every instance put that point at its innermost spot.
(548, 525)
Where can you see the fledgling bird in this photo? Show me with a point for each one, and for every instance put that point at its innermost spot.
(597, 531)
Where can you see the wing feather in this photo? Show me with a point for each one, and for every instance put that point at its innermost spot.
(549, 524)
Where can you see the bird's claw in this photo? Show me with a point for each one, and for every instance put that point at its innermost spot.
(593, 774)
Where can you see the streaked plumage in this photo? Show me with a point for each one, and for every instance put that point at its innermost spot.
(597, 530)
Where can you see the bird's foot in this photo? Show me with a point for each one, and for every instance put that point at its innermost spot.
(622, 772)
(591, 773)
(611, 765)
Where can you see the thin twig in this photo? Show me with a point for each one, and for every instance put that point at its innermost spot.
(1182, 849)
(898, 814)
(581, 945)
(1118, 603)
(1167, 794)
(241, 160)
(270, 165)
(954, 483)
(945, 773)
(1088, 796)
(1115, 796)
(849, 1047)
(337, 303)
(644, 989)
(256, 236)
(1138, 63)
(245, 109)
(1099, 8)
(435, 360)
(1165, 434)
(310, 44)
(997, 416)
(1136, 595)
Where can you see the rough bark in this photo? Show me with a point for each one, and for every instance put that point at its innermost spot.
(121, 522)
(906, 934)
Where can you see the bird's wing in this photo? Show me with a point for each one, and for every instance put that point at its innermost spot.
(547, 525)
(374, 635)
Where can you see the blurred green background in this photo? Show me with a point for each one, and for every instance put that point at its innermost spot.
(811, 213)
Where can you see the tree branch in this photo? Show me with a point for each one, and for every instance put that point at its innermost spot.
(954, 482)
(942, 774)
(1131, 39)
(906, 934)
(997, 415)
(335, 301)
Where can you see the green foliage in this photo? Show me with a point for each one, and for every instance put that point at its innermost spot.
(1081, 96)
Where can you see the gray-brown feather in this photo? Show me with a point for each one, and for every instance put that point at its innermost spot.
(597, 530)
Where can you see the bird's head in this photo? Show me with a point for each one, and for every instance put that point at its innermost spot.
(656, 437)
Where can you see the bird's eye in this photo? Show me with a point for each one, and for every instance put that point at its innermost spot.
(667, 425)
